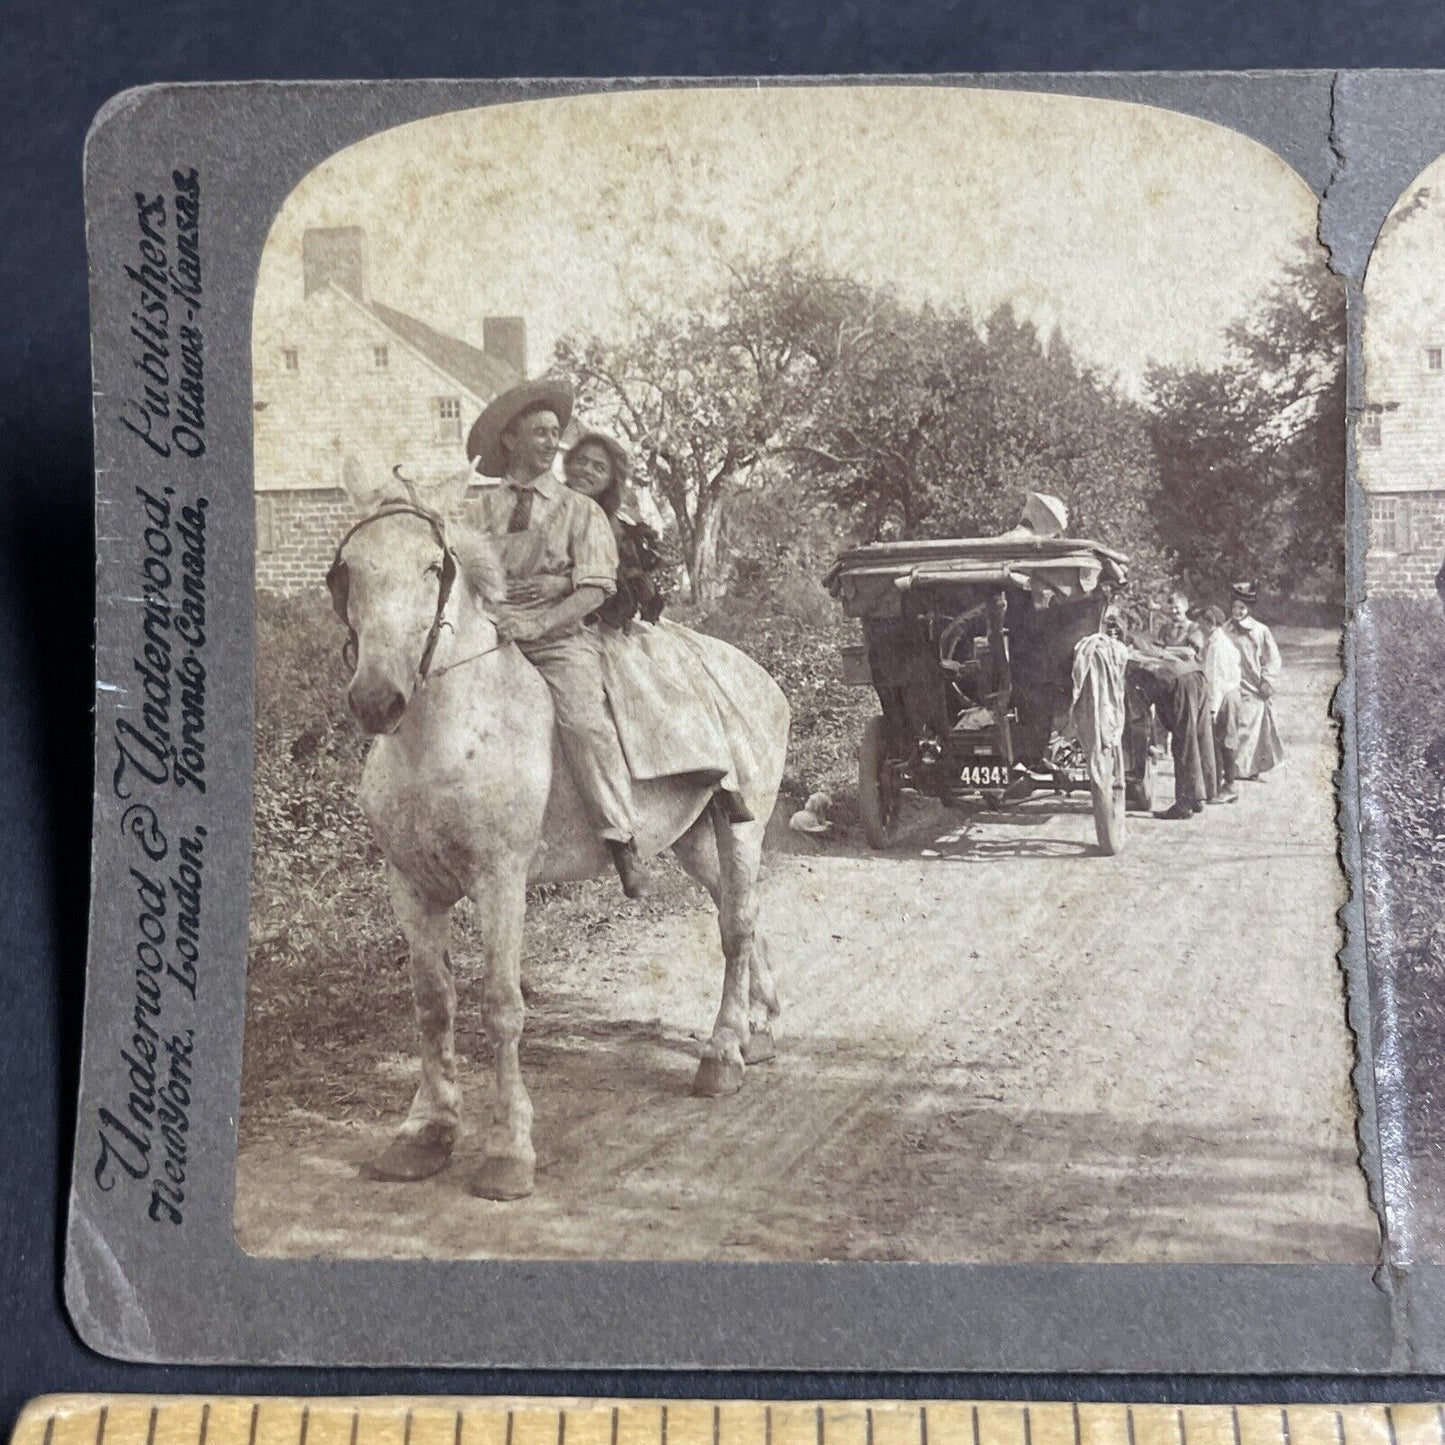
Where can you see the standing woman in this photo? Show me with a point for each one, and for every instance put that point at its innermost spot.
(1258, 748)
(599, 466)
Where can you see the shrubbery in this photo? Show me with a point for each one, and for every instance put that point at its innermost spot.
(1402, 752)
(328, 980)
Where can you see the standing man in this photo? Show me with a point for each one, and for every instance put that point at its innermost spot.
(1222, 677)
(561, 564)
(1259, 748)
(1179, 635)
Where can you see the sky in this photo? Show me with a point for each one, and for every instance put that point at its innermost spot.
(1140, 233)
(1405, 282)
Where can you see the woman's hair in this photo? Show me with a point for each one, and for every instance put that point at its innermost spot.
(1213, 615)
(612, 498)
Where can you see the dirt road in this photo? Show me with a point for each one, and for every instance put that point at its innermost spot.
(997, 1045)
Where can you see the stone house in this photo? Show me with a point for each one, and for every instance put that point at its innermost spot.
(342, 374)
(1400, 460)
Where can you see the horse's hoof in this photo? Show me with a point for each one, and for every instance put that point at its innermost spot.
(760, 1047)
(408, 1159)
(502, 1177)
(716, 1077)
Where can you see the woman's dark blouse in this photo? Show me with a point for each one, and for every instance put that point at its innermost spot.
(640, 591)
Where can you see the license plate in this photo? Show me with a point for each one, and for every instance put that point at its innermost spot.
(985, 775)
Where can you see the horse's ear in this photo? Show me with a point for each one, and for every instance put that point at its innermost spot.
(366, 493)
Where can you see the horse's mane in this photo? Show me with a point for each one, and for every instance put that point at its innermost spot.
(476, 554)
(480, 565)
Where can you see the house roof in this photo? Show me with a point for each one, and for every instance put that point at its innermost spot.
(482, 375)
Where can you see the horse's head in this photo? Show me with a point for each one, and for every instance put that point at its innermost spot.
(392, 583)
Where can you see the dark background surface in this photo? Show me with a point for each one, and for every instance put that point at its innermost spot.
(60, 65)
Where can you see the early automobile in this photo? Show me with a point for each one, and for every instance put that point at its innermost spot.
(978, 649)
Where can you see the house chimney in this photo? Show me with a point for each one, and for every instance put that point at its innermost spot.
(504, 338)
(334, 253)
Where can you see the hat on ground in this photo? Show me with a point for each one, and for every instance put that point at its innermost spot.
(484, 441)
(813, 817)
(1244, 592)
(621, 457)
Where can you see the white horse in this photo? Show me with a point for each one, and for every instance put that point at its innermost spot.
(468, 796)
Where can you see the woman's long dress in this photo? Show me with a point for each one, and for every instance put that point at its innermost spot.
(1259, 747)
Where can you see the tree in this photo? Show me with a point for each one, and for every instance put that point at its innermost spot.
(704, 398)
(1251, 455)
(940, 429)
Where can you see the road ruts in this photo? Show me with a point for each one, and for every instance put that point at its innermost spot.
(998, 1045)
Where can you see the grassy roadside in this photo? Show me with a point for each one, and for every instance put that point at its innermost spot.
(1402, 762)
(328, 986)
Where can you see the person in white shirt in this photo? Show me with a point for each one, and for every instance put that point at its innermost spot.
(1220, 659)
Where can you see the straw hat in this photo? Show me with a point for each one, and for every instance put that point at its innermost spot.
(484, 442)
(812, 817)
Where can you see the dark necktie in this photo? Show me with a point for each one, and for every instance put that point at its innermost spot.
(521, 510)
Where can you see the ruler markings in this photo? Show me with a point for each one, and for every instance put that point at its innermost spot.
(138, 1421)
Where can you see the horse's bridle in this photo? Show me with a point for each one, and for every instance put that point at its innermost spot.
(338, 583)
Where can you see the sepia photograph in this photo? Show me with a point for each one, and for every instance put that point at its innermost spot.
(1399, 436)
(796, 632)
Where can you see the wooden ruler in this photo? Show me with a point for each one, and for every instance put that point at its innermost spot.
(182, 1420)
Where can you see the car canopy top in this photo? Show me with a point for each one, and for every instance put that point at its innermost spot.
(870, 581)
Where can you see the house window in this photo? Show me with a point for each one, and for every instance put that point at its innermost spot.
(379, 357)
(1386, 524)
(447, 418)
(1369, 429)
(289, 359)
(1434, 358)
(265, 524)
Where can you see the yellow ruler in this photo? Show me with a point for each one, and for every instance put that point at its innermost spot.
(397, 1420)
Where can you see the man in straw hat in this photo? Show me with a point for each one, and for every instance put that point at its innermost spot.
(561, 563)
(1258, 747)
